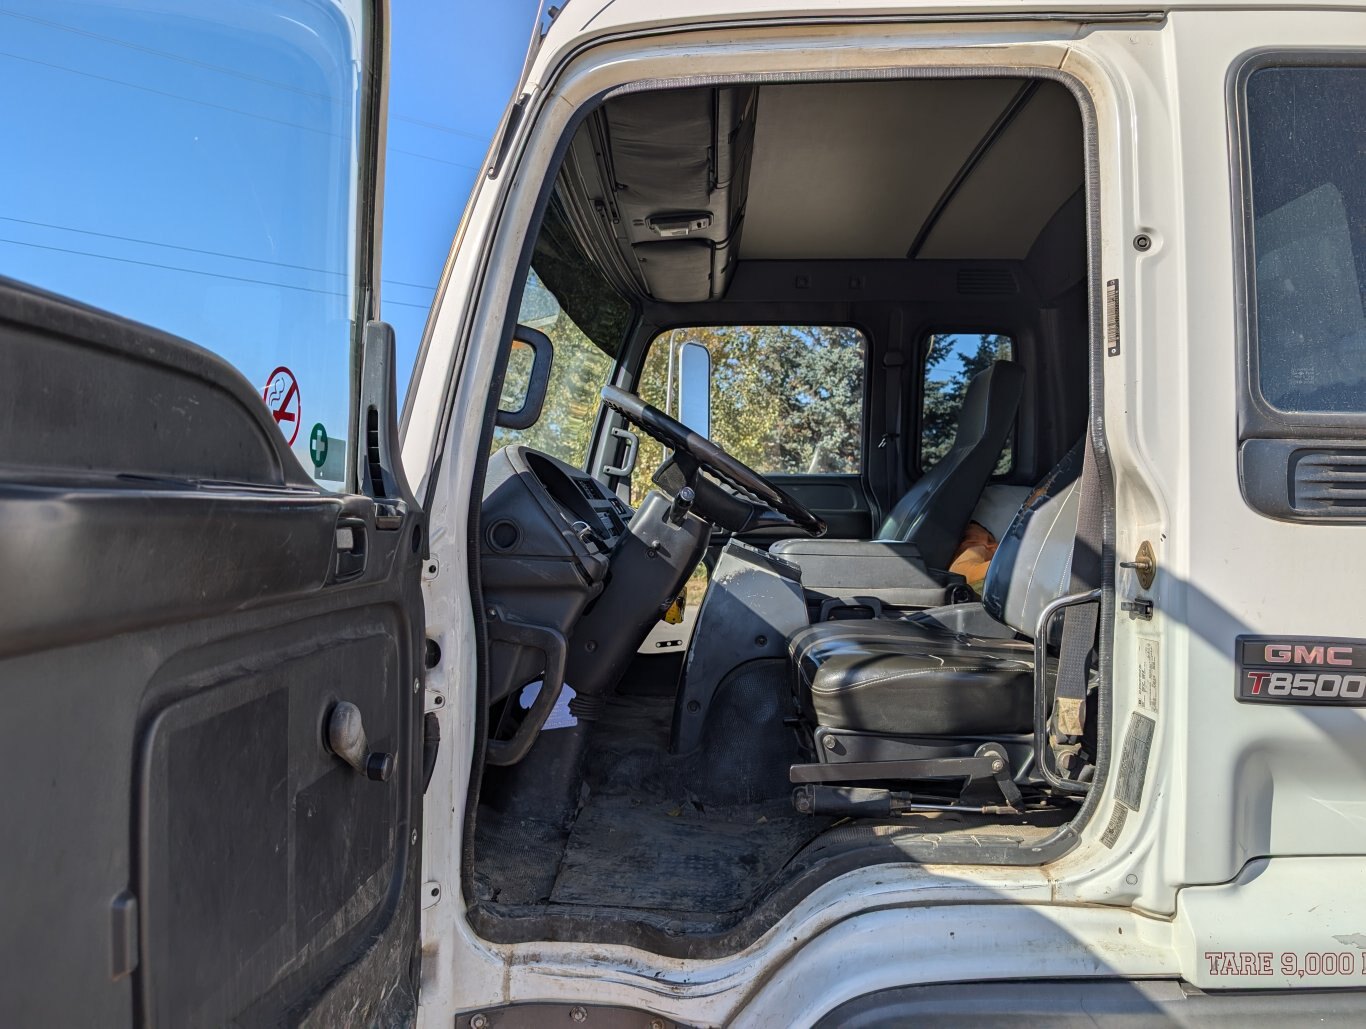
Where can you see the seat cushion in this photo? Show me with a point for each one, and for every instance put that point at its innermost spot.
(907, 678)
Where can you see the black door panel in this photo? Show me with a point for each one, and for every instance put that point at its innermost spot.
(179, 615)
(840, 499)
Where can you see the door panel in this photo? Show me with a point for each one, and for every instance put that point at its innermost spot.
(839, 499)
(180, 615)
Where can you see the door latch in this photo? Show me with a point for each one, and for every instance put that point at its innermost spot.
(346, 738)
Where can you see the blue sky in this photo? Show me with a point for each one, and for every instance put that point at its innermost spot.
(190, 167)
(454, 66)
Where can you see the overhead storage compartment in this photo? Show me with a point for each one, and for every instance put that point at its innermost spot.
(659, 184)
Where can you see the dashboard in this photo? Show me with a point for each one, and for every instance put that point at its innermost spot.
(581, 497)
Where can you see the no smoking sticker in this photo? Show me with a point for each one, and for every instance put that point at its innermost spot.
(282, 397)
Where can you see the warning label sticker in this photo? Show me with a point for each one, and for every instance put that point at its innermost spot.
(281, 395)
(1148, 674)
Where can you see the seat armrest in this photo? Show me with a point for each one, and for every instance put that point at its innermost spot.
(891, 572)
(796, 549)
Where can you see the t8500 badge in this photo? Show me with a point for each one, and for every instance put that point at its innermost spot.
(1301, 670)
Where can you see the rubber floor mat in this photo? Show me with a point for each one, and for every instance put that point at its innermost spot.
(626, 851)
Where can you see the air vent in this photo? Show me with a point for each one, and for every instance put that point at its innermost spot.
(1330, 483)
(985, 282)
(591, 489)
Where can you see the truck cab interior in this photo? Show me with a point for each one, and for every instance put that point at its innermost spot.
(789, 469)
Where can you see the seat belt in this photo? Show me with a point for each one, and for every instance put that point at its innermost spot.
(1080, 621)
(894, 381)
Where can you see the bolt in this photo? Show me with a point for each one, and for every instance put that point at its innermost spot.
(480, 1021)
(1143, 242)
(998, 765)
(694, 707)
(578, 1014)
(656, 1023)
(591, 646)
(761, 641)
(417, 685)
(829, 743)
(414, 837)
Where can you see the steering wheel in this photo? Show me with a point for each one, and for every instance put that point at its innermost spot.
(758, 505)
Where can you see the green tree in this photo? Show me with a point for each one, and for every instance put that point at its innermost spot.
(784, 399)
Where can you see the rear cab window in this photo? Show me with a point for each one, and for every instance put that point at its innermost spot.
(785, 399)
(205, 181)
(951, 361)
(1302, 138)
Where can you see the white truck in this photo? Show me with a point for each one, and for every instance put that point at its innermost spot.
(975, 392)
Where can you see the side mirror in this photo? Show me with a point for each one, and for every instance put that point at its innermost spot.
(526, 379)
(694, 388)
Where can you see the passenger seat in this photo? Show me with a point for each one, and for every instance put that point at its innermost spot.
(960, 670)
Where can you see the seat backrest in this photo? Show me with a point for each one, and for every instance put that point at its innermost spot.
(935, 511)
(1032, 566)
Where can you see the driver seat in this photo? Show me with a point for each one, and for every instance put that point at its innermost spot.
(962, 670)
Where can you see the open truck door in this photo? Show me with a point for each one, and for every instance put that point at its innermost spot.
(210, 668)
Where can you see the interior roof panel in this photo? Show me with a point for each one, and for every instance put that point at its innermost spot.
(1021, 181)
(853, 169)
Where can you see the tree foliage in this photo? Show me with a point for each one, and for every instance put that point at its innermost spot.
(784, 399)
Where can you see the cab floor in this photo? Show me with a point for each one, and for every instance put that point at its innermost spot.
(699, 834)
(655, 833)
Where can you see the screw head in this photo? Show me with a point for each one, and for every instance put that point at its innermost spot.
(578, 1014)
(761, 641)
(1143, 242)
(829, 743)
(414, 837)
(998, 765)
(480, 1021)
(1131, 879)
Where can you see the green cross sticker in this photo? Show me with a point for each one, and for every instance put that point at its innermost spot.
(317, 445)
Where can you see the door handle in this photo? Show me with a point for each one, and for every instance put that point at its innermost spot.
(346, 738)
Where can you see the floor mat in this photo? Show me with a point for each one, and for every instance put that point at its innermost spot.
(626, 851)
(692, 833)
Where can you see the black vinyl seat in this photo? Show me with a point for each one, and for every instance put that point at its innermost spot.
(934, 512)
(961, 670)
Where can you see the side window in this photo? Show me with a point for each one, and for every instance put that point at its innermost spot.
(204, 181)
(785, 399)
(579, 371)
(1305, 135)
(951, 360)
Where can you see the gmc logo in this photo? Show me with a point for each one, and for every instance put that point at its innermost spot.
(1299, 654)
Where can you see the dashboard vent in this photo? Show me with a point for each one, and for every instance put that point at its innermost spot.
(981, 282)
(590, 488)
(1330, 483)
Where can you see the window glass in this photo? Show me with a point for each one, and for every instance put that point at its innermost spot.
(951, 361)
(577, 374)
(1306, 141)
(785, 399)
(194, 166)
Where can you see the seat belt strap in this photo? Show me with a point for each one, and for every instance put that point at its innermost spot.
(1079, 622)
